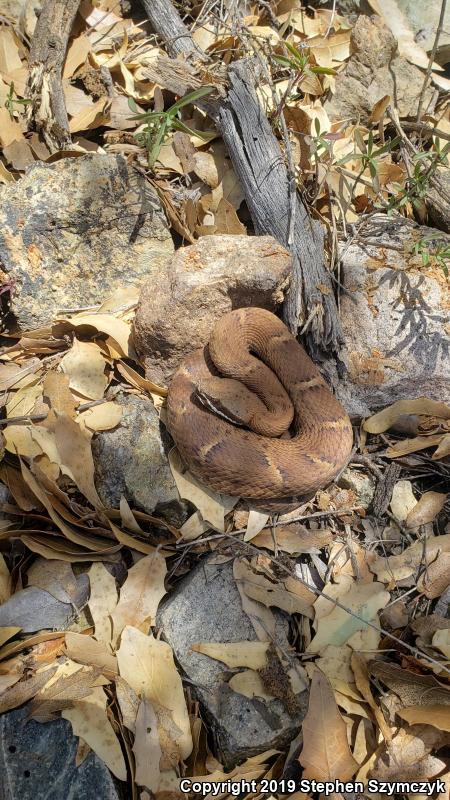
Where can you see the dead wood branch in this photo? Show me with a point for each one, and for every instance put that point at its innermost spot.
(47, 110)
(260, 164)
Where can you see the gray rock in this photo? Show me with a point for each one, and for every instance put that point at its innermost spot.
(374, 70)
(76, 230)
(38, 761)
(197, 286)
(206, 606)
(363, 485)
(394, 313)
(423, 19)
(131, 461)
(34, 609)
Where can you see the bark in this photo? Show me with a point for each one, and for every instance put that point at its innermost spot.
(260, 164)
(166, 21)
(47, 110)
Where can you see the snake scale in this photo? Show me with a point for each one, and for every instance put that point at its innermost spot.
(252, 416)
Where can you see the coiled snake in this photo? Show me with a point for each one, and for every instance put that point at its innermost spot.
(228, 429)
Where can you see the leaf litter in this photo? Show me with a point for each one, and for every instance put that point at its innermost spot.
(378, 696)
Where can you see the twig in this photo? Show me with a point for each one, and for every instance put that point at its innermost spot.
(421, 127)
(431, 59)
(415, 651)
(47, 110)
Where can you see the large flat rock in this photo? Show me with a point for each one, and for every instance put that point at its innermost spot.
(206, 607)
(73, 232)
(39, 761)
(395, 318)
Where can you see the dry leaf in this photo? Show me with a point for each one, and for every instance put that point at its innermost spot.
(102, 417)
(361, 674)
(146, 747)
(290, 595)
(325, 754)
(252, 655)
(5, 581)
(140, 595)
(87, 650)
(61, 692)
(212, 505)
(74, 448)
(138, 381)
(89, 719)
(398, 24)
(294, 539)
(249, 683)
(255, 524)
(92, 117)
(10, 130)
(338, 626)
(24, 690)
(403, 500)
(396, 568)
(148, 666)
(385, 419)
(426, 510)
(102, 602)
(436, 578)
(85, 365)
(116, 328)
(56, 389)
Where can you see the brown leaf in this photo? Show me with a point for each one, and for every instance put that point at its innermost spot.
(84, 365)
(86, 650)
(74, 447)
(359, 668)
(61, 399)
(146, 747)
(325, 754)
(438, 716)
(435, 579)
(384, 420)
(140, 595)
(427, 509)
(413, 689)
(63, 692)
(397, 568)
(23, 691)
(294, 539)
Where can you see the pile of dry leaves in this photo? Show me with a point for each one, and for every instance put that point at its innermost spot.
(367, 593)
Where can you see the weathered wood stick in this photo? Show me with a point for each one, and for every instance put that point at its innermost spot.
(259, 162)
(47, 110)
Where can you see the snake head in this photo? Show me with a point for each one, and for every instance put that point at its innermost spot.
(229, 399)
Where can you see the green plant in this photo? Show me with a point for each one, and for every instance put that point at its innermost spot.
(440, 252)
(13, 100)
(159, 124)
(299, 61)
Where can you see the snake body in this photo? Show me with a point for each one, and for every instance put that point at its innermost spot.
(275, 391)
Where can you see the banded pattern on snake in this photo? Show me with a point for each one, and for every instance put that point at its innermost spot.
(270, 430)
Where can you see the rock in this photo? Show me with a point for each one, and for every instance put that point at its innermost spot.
(131, 460)
(34, 609)
(199, 284)
(363, 485)
(394, 314)
(205, 607)
(39, 760)
(374, 70)
(74, 231)
(424, 19)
